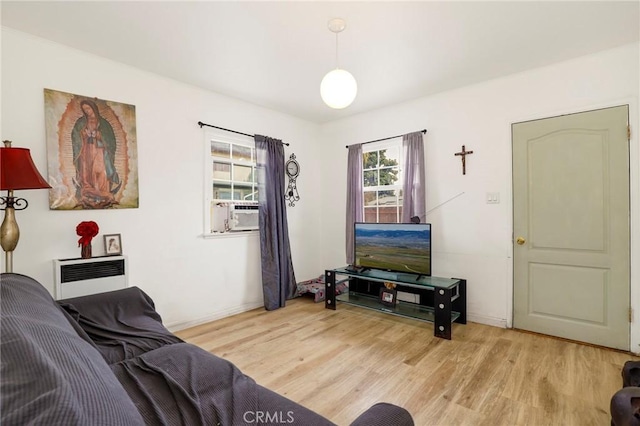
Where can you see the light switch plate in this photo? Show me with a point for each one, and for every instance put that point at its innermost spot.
(493, 198)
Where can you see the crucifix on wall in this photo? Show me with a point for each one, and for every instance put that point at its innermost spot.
(462, 155)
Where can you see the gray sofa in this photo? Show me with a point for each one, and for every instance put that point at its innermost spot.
(106, 359)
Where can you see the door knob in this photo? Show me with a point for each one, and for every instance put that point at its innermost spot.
(520, 240)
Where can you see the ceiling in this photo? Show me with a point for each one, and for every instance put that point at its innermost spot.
(274, 54)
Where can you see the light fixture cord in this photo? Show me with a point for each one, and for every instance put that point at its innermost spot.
(337, 63)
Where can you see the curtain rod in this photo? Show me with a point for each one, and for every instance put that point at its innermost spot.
(423, 131)
(200, 123)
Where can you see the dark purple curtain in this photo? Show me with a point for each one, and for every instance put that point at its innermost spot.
(278, 279)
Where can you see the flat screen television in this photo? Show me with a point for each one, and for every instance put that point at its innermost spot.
(398, 247)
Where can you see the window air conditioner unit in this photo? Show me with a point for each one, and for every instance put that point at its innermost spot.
(243, 217)
(80, 277)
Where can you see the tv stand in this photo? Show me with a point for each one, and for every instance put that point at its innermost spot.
(449, 296)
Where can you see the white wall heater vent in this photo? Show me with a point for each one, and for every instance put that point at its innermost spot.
(80, 277)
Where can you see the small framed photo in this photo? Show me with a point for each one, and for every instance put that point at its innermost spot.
(112, 244)
(388, 296)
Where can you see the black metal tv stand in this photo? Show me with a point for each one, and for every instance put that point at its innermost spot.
(449, 296)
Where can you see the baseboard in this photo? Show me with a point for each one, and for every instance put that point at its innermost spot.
(483, 319)
(177, 326)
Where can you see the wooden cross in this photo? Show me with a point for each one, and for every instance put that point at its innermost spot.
(463, 154)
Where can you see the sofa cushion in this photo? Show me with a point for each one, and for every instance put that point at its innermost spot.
(50, 374)
(122, 324)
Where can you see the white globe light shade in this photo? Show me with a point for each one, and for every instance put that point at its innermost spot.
(338, 89)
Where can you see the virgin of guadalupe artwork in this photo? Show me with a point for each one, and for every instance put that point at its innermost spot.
(91, 151)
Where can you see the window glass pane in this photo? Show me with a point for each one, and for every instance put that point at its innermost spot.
(370, 214)
(391, 156)
(370, 198)
(388, 214)
(370, 160)
(221, 171)
(370, 178)
(222, 191)
(220, 149)
(243, 192)
(241, 153)
(389, 166)
(387, 198)
(389, 176)
(242, 173)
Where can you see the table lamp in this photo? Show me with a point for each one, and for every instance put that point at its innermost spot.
(17, 171)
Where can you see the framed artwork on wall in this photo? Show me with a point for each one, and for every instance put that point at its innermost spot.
(112, 244)
(92, 154)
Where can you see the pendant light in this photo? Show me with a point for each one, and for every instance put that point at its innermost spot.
(338, 88)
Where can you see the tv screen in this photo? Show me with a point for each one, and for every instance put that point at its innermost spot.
(399, 247)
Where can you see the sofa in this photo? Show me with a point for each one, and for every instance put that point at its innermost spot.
(106, 359)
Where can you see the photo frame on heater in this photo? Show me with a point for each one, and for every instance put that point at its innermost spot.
(113, 245)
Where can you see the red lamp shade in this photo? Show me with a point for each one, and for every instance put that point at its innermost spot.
(17, 170)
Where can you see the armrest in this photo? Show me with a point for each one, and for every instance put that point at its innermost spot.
(384, 414)
(625, 407)
(131, 301)
(122, 323)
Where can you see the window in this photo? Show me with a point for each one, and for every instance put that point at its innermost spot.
(382, 179)
(230, 178)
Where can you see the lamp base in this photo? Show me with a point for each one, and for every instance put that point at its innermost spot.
(8, 261)
(9, 236)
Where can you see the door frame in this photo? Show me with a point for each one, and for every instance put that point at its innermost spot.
(634, 205)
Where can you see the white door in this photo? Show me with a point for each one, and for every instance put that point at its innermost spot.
(571, 226)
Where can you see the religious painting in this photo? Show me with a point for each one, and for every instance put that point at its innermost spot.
(92, 152)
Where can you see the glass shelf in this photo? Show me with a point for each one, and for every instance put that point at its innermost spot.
(405, 279)
(405, 309)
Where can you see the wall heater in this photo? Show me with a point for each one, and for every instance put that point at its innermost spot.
(80, 277)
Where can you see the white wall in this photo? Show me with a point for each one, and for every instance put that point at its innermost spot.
(193, 279)
(189, 277)
(472, 239)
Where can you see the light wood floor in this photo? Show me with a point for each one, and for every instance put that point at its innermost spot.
(339, 363)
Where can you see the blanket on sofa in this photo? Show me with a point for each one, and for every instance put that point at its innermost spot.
(183, 384)
(122, 324)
